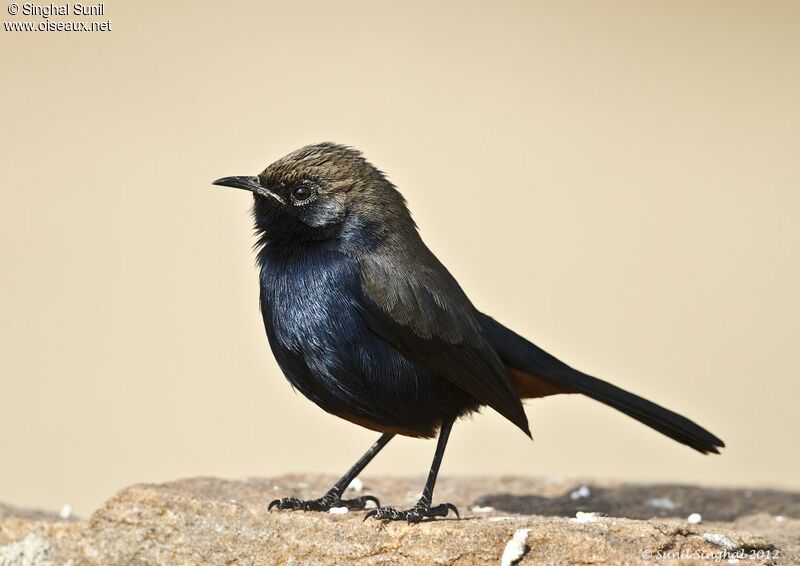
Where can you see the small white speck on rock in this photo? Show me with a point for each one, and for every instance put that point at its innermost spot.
(694, 519)
(338, 510)
(582, 492)
(515, 548)
(66, 511)
(720, 540)
(479, 509)
(583, 517)
(587, 517)
(356, 485)
(662, 503)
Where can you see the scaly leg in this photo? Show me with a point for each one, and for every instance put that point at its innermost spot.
(422, 510)
(334, 496)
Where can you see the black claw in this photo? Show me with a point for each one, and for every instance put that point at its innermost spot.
(286, 503)
(454, 509)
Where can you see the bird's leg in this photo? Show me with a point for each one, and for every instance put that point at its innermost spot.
(334, 496)
(422, 509)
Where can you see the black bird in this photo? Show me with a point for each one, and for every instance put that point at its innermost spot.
(368, 324)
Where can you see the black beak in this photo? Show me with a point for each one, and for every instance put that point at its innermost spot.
(246, 183)
(252, 184)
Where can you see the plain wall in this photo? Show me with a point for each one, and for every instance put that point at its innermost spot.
(617, 181)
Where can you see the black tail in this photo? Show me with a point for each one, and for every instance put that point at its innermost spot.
(516, 352)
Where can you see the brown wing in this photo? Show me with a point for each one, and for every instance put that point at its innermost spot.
(418, 308)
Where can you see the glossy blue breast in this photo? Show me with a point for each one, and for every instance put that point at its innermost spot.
(310, 304)
(308, 315)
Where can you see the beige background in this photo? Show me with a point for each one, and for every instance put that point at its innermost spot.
(618, 181)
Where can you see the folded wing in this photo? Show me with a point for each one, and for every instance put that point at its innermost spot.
(420, 309)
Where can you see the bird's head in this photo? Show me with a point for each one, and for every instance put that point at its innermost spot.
(320, 192)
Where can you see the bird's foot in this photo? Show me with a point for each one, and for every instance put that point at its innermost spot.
(331, 499)
(418, 513)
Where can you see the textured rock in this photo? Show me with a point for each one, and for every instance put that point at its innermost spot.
(212, 521)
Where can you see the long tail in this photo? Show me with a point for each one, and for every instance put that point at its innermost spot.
(520, 354)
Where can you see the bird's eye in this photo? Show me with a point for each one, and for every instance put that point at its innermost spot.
(302, 193)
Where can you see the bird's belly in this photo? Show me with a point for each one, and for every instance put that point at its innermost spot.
(347, 370)
(327, 352)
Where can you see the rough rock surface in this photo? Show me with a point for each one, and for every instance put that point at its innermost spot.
(213, 521)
